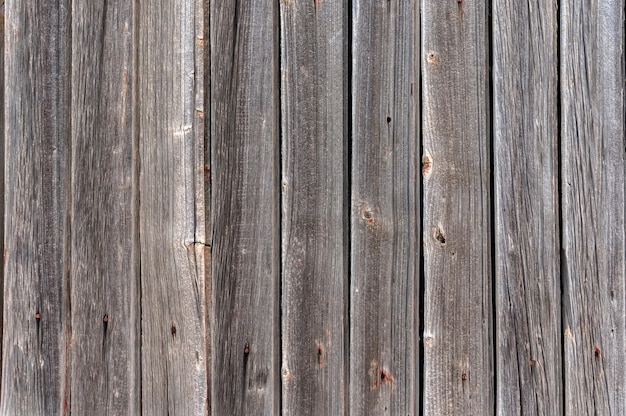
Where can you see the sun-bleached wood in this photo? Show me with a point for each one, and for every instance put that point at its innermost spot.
(313, 237)
(384, 212)
(36, 332)
(104, 279)
(528, 305)
(592, 192)
(170, 113)
(457, 233)
(245, 166)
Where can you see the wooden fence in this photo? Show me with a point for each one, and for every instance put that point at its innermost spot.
(313, 207)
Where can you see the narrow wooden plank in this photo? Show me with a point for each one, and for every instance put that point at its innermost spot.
(458, 334)
(171, 185)
(592, 184)
(246, 203)
(312, 208)
(385, 210)
(104, 365)
(528, 307)
(36, 263)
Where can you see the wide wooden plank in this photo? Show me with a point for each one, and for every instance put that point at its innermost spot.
(384, 210)
(592, 183)
(246, 207)
(172, 220)
(104, 365)
(312, 208)
(528, 307)
(458, 334)
(36, 254)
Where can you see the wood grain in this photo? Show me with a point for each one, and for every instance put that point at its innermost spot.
(104, 366)
(384, 373)
(246, 202)
(36, 255)
(254, 249)
(528, 307)
(458, 333)
(312, 208)
(171, 188)
(592, 183)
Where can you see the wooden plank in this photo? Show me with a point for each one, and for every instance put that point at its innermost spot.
(104, 365)
(312, 208)
(385, 210)
(246, 225)
(592, 184)
(172, 220)
(36, 255)
(458, 334)
(528, 307)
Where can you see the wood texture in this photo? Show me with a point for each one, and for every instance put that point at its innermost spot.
(254, 249)
(592, 184)
(246, 226)
(312, 208)
(384, 373)
(458, 335)
(34, 374)
(104, 366)
(528, 307)
(172, 221)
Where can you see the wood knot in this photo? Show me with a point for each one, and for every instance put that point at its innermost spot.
(427, 164)
(368, 216)
(439, 236)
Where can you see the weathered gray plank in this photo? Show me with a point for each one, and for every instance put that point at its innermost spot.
(34, 374)
(104, 364)
(246, 226)
(458, 335)
(385, 210)
(592, 183)
(312, 185)
(171, 185)
(528, 307)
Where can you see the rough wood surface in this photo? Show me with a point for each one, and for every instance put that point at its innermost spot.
(255, 250)
(384, 211)
(592, 184)
(104, 359)
(312, 208)
(36, 337)
(172, 228)
(528, 307)
(458, 335)
(246, 227)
